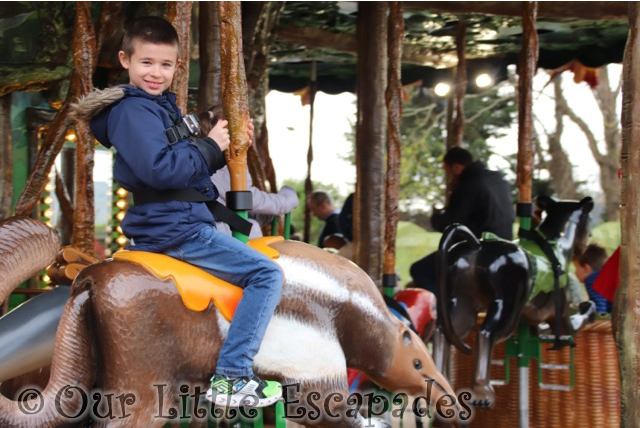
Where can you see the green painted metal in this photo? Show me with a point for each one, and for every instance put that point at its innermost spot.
(571, 368)
(241, 237)
(280, 420)
(287, 226)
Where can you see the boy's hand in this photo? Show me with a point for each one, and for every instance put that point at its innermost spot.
(220, 134)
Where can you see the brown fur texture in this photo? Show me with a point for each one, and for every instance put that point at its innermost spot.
(94, 102)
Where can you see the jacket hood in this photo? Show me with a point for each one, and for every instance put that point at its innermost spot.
(96, 105)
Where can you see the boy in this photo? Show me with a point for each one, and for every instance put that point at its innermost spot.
(588, 266)
(160, 170)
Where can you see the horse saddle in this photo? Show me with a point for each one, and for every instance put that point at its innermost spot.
(196, 286)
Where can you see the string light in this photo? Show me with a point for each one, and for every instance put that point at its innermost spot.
(484, 80)
(48, 187)
(442, 89)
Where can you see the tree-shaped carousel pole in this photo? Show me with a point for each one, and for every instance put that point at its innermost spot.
(236, 107)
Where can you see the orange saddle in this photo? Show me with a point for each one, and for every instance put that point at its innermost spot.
(196, 286)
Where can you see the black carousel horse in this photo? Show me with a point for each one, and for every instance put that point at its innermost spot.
(508, 280)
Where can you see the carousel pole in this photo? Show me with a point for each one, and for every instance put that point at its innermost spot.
(371, 134)
(393, 98)
(308, 184)
(527, 69)
(236, 107)
(179, 15)
(85, 58)
(627, 300)
(236, 110)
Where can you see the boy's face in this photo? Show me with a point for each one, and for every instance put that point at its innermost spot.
(151, 66)
(582, 271)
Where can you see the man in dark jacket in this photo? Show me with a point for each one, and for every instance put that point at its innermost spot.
(321, 206)
(481, 200)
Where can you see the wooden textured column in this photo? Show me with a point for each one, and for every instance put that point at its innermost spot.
(179, 15)
(393, 98)
(455, 111)
(6, 160)
(234, 91)
(209, 46)
(628, 296)
(370, 136)
(236, 108)
(308, 184)
(85, 58)
(526, 71)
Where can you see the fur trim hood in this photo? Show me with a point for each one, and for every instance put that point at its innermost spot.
(94, 102)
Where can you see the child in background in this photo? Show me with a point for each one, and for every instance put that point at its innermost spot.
(588, 266)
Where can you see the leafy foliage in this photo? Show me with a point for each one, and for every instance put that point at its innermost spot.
(424, 134)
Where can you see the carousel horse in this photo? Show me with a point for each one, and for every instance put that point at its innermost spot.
(126, 331)
(508, 280)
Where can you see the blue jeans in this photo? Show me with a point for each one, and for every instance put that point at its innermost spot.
(229, 259)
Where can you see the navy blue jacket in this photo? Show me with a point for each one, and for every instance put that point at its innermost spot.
(145, 160)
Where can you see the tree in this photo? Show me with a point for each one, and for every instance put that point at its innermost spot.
(557, 163)
(488, 114)
(608, 159)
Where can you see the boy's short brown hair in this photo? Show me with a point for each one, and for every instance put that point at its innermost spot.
(149, 29)
(594, 255)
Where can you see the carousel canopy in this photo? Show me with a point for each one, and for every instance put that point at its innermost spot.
(34, 39)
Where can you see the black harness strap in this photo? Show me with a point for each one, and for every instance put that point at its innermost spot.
(219, 211)
(547, 249)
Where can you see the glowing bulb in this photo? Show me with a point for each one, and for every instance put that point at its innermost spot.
(120, 215)
(50, 174)
(48, 223)
(71, 136)
(121, 192)
(48, 187)
(121, 204)
(442, 89)
(48, 213)
(122, 240)
(484, 80)
(48, 200)
(119, 229)
(46, 278)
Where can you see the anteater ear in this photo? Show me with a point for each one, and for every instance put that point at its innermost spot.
(586, 204)
(544, 202)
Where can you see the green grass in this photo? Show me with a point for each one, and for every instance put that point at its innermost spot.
(412, 244)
